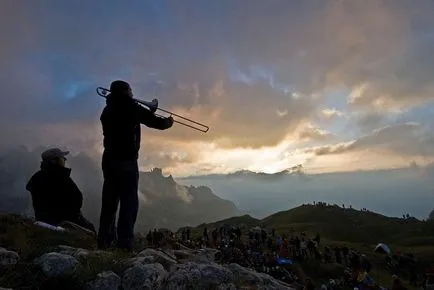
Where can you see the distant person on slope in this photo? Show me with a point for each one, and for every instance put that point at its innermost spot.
(55, 196)
(121, 120)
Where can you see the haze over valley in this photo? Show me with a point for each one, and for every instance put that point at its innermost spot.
(390, 192)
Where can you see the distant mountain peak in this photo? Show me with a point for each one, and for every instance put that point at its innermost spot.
(156, 172)
(291, 170)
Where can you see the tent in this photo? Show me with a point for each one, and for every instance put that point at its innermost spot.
(382, 248)
(256, 229)
(283, 261)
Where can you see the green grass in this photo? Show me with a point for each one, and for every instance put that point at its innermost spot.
(353, 226)
(19, 234)
(355, 229)
(341, 225)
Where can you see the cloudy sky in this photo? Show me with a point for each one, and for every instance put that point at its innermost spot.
(333, 85)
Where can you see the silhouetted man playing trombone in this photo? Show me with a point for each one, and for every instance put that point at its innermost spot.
(121, 120)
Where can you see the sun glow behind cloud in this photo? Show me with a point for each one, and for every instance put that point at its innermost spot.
(263, 84)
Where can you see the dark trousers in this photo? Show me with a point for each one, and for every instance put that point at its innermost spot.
(121, 178)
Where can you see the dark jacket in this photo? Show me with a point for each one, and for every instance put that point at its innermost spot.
(55, 196)
(121, 119)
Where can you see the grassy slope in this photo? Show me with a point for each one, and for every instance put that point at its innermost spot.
(356, 229)
(20, 235)
(353, 226)
(336, 224)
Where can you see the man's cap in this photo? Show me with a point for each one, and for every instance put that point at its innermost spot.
(119, 86)
(53, 153)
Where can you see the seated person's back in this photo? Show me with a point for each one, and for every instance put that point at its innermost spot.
(55, 196)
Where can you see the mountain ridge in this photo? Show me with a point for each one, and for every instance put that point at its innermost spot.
(341, 224)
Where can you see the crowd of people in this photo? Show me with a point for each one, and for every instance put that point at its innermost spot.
(267, 252)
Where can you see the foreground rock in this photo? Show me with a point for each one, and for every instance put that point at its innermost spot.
(75, 252)
(150, 276)
(55, 264)
(8, 258)
(206, 255)
(104, 281)
(150, 269)
(249, 278)
(193, 275)
(148, 256)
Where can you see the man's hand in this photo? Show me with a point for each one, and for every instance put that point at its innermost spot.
(169, 121)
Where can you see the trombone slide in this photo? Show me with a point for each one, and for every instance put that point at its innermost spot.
(153, 107)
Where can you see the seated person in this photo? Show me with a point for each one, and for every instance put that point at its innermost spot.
(55, 196)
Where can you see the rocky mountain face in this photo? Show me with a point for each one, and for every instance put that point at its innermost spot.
(163, 202)
(167, 204)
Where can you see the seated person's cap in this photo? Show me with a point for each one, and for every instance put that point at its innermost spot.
(53, 153)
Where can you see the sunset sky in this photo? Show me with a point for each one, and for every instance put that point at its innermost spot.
(332, 85)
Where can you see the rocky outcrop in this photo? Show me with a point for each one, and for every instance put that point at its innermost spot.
(144, 276)
(104, 281)
(151, 269)
(182, 205)
(55, 265)
(192, 275)
(8, 258)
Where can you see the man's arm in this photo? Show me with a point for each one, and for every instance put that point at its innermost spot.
(146, 117)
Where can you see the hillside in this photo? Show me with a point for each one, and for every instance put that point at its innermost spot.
(345, 226)
(384, 191)
(353, 225)
(358, 230)
(166, 204)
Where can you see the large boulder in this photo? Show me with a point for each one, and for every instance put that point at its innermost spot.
(75, 252)
(247, 278)
(104, 281)
(183, 254)
(8, 258)
(138, 277)
(206, 255)
(80, 253)
(193, 275)
(55, 264)
(149, 256)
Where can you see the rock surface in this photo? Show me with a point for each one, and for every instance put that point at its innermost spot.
(104, 281)
(149, 276)
(55, 264)
(8, 258)
(193, 275)
(167, 259)
(150, 269)
(206, 255)
(75, 252)
(247, 277)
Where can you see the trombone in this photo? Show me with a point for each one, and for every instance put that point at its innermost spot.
(153, 107)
